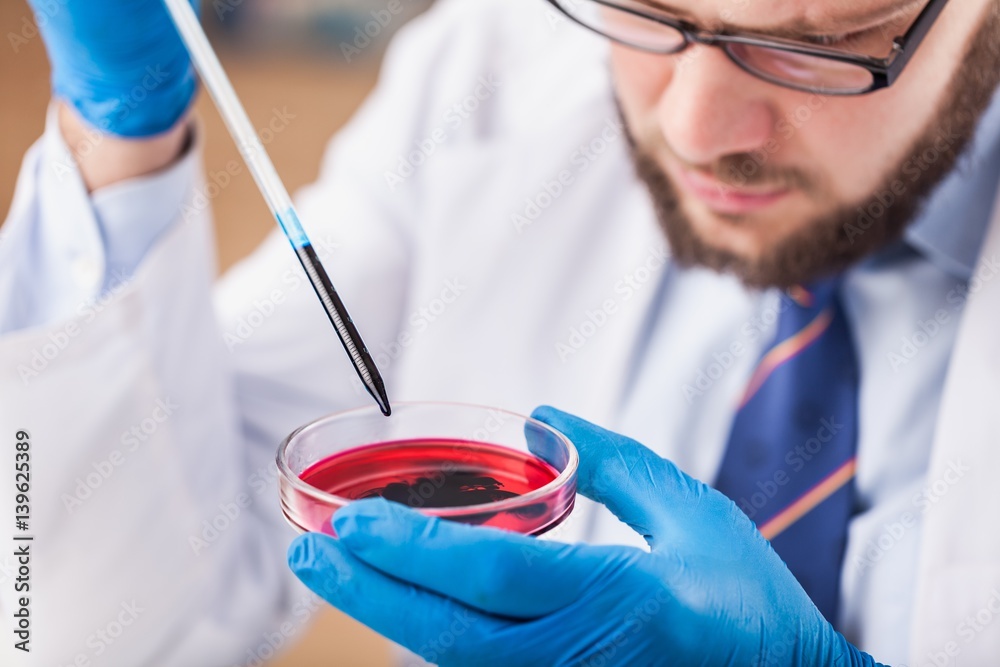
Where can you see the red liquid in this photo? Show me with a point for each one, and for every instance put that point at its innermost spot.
(437, 474)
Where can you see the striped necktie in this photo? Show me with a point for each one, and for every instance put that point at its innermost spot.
(790, 461)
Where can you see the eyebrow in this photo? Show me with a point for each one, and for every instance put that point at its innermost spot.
(800, 27)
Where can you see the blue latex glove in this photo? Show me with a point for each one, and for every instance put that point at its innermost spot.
(120, 63)
(710, 592)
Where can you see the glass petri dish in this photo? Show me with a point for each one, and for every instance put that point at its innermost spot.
(465, 463)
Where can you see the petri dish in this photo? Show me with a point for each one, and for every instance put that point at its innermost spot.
(467, 463)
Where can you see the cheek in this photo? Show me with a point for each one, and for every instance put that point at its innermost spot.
(640, 80)
(857, 143)
(847, 141)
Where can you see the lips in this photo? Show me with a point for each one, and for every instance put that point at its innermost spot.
(726, 199)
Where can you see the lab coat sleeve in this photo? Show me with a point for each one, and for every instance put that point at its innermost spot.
(127, 396)
(55, 258)
(154, 411)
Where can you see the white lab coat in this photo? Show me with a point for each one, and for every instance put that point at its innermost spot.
(958, 588)
(462, 278)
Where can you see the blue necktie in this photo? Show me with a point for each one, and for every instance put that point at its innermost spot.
(790, 460)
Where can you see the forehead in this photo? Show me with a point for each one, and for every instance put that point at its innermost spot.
(792, 15)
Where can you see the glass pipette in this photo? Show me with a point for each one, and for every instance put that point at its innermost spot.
(274, 191)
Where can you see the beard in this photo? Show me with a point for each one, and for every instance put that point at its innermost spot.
(834, 241)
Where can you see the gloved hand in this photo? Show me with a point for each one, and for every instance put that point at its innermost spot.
(711, 591)
(121, 64)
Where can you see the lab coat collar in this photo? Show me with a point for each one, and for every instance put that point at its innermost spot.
(950, 229)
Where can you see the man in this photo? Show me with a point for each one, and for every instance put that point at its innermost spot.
(818, 345)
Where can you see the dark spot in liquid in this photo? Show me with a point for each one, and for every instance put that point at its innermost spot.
(457, 489)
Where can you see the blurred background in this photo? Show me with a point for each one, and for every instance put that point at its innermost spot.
(315, 60)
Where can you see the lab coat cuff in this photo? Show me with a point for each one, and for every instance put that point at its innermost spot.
(52, 258)
(102, 237)
(67, 232)
(133, 215)
(63, 248)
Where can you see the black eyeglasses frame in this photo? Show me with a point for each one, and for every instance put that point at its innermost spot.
(885, 71)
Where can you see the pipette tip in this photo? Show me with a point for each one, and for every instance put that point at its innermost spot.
(383, 401)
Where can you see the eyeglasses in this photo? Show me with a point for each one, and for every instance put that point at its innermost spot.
(796, 65)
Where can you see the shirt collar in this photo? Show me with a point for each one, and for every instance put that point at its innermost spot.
(951, 226)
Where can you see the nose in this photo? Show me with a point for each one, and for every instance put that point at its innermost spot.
(711, 108)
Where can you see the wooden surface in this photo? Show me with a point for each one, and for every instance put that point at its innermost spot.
(321, 94)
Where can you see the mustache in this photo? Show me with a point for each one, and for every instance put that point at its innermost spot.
(743, 170)
(738, 170)
(734, 171)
